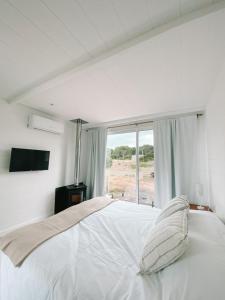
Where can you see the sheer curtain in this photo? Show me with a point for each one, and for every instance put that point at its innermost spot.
(96, 139)
(176, 172)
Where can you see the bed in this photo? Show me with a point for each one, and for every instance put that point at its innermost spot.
(99, 259)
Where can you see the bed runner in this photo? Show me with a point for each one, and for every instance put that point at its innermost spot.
(18, 244)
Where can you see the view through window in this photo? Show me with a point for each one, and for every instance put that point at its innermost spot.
(130, 176)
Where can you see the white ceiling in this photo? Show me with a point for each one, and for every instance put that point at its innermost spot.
(175, 70)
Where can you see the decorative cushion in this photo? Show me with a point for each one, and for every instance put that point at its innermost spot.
(174, 205)
(166, 242)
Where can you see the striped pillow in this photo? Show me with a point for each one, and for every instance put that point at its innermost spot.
(165, 244)
(174, 205)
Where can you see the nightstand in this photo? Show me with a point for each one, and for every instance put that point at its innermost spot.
(199, 207)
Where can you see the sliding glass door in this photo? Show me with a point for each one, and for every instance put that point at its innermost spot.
(130, 165)
(146, 167)
(121, 166)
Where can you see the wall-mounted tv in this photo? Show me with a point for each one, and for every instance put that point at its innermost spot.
(28, 160)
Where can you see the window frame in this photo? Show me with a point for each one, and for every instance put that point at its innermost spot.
(136, 128)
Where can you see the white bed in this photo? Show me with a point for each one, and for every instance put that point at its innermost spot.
(98, 259)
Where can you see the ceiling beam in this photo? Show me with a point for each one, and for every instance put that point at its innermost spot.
(141, 37)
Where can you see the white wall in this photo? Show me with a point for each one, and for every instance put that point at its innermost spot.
(216, 145)
(27, 196)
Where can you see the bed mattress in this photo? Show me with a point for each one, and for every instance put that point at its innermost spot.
(99, 259)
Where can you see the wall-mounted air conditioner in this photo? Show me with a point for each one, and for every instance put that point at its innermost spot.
(42, 123)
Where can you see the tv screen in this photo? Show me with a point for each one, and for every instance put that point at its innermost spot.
(28, 160)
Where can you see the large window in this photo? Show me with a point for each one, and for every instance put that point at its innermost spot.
(130, 165)
(146, 167)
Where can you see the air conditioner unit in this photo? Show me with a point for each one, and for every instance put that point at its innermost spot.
(42, 123)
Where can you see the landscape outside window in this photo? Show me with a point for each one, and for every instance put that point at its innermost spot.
(121, 167)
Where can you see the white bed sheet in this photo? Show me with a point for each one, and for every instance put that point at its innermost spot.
(98, 259)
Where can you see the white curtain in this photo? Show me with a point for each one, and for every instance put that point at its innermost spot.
(96, 139)
(175, 143)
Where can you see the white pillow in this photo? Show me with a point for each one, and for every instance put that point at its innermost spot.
(166, 243)
(174, 205)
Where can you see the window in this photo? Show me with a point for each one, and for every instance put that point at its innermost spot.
(146, 167)
(130, 165)
(121, 166)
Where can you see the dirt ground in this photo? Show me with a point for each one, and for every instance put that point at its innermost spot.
(121, 181)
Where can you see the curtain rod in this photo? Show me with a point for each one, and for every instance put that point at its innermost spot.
(130, 124)
(147, 122)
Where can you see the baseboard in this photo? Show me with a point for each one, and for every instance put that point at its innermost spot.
(14, 227)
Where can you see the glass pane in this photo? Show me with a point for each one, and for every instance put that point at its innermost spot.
(121, 166)
(146, 167)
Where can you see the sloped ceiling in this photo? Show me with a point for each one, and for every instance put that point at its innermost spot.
(174, 70)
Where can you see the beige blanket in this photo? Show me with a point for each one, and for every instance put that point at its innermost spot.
(18, 244)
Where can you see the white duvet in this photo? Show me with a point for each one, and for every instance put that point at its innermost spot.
(98, 259)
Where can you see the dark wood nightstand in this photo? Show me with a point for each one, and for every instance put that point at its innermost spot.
(197, 207)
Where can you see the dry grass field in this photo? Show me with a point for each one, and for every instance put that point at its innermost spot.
(121, 181)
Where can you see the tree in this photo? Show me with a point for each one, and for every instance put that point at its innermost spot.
(122, 152)
(147, 151)
(126, 152)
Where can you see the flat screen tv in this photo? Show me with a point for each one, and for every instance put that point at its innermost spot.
(28, 160)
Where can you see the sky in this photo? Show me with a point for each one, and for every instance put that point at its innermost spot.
(129, 139)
